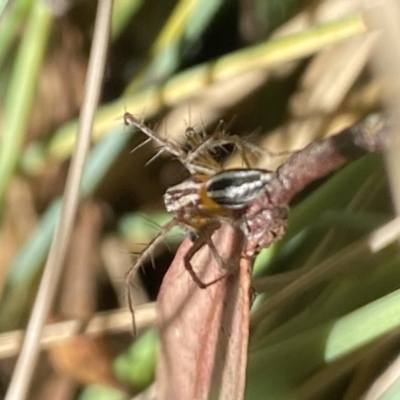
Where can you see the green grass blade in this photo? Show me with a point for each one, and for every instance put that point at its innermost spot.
(21, 90)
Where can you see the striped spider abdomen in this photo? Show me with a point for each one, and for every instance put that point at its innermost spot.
(235, 188)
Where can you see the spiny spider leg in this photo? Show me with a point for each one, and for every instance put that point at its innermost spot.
(167, 145)
(211, 143)
(245, 147)
(198, 159)
(142, 258)
(202, 158)
(139, 146)
(159, 152)
(174, 149)
(220, 138)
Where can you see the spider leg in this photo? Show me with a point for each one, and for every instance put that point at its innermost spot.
(219, 140)
(204, 238)
(139, 146)
(140, 260)
(172, 148)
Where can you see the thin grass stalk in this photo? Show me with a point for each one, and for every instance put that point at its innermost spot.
(23, 373)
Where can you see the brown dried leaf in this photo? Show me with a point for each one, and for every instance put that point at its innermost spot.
(204, 332)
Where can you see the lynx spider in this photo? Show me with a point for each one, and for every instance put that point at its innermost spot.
(208, 197)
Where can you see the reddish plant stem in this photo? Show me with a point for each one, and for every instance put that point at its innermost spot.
(324, 156)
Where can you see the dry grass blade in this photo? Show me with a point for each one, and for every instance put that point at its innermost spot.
(101, 323)
(25, 367)
(204, 332)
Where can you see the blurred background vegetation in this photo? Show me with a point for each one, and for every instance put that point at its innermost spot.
(281, 73)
